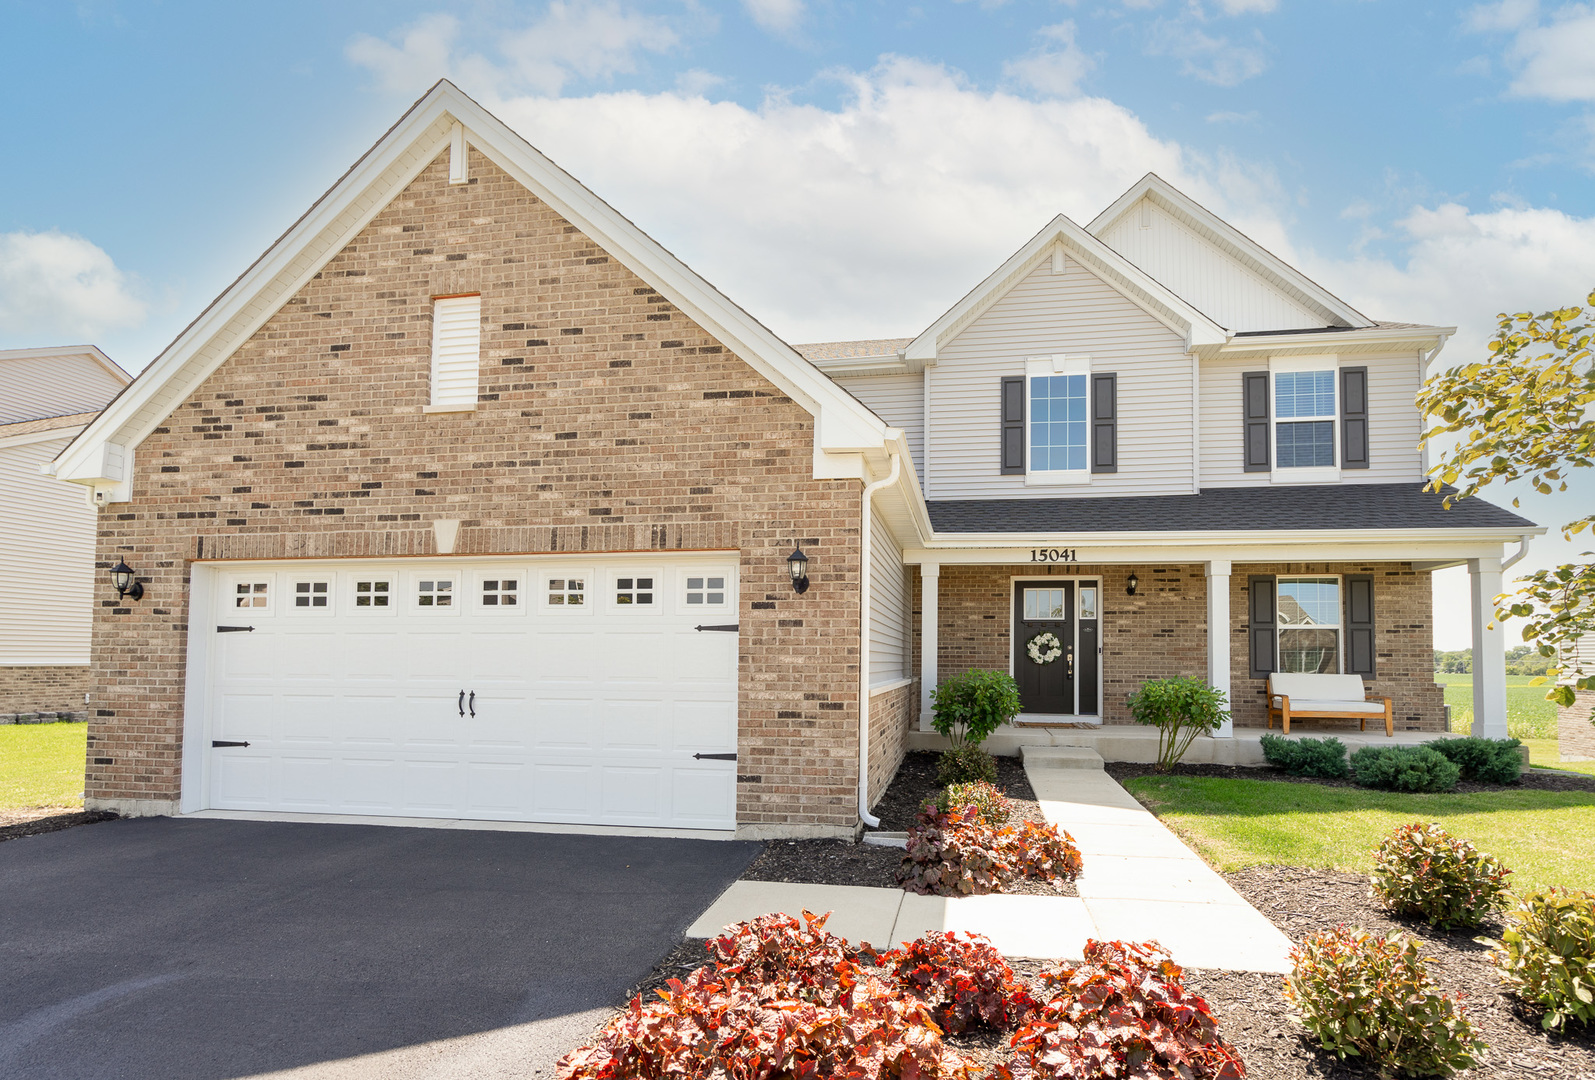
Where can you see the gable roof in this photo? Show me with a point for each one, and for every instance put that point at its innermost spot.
(102, 456)
(1062, 234)
(1235, 244)
(39, 383)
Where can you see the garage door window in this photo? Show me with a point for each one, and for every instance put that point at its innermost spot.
(373, 594)
(501, 592)
(567, 592)
(434, 592)
(252, 594)
(706, 590)
(312, 595)
(634, 590)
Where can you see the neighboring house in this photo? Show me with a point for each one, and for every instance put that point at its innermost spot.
(1575, 731)
(47, 396)
(469, 500)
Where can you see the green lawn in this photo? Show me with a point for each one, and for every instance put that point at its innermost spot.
(42, 764)
(1542, 835)
(1528, 714)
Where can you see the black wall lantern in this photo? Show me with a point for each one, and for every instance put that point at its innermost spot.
(122, 578)
(1131, 585)
(798, 564)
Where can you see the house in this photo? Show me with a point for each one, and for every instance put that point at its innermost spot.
(1575, 731)
(469, 500)
(47, 396)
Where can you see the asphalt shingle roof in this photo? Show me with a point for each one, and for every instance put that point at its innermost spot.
(1311, 506)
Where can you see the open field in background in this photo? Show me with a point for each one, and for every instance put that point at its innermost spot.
(1528, 714)
(1540, 835)
(42, 765)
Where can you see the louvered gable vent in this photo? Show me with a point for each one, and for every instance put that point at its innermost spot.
(456, 350)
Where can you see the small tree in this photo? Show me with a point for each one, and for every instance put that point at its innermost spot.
(972, 704)
(1181, 709)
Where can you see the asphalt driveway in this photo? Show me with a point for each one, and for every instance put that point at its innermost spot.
(173, 949)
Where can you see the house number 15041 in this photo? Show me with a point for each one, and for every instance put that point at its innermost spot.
(1053, 555)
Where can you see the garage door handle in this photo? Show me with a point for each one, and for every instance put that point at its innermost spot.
(462, 702)
(225, 742)
(473, 703)
(714, 757)
(235, 629)
(729, 628)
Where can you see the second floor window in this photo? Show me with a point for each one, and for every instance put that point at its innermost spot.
(1304, 419)
(1058, 425)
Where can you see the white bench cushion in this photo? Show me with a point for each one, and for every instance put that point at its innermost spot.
(1317, 687)
(1360, 708)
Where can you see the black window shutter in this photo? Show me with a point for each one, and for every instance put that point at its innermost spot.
(1359, 625)
(1254, 385)
(1105, 423)
(1261, 615)
(1013, 424)
(1354, 418)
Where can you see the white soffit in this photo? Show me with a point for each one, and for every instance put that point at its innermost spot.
(1234, 243)
(102, 455)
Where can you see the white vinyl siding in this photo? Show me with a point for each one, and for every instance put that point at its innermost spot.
(888, 631)
(1209, 279)
(900, 401)
(46, 560)
(34, 387)
(1393, 425)
(1073, 313)
(456, 350)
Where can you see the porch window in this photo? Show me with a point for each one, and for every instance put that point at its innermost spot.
(1058, 423)
(1309, 625)
(1304, 424)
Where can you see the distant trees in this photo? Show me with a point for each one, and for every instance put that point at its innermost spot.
(1520, 660)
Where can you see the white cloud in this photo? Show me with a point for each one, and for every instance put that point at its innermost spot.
(1247, 7)
(1502, 15)
(1557, 61)
(1229, 117)
(420, 58)
(57, 286)
(1216, 60)
(1055, 68)
(780, 16)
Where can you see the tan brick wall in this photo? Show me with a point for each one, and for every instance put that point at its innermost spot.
(43, 688)
(1575, 735)
(607, 421)
(892, 714)
(1403, 645)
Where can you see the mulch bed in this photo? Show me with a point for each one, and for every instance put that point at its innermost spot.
(1532, 779)
(14, 825)
(842, 862)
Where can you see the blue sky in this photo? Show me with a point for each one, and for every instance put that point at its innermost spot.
(841, 169)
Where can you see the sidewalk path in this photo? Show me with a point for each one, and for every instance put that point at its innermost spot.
(1140, 882)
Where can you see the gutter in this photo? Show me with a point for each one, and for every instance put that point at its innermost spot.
(1523, 549)
(865, 816)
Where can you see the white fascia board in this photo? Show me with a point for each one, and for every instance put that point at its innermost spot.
(851, 366)
(1349, 341)
(1210, 537)
(1135, 284)
(1397, 545)
(1236, 243)
(41, 436)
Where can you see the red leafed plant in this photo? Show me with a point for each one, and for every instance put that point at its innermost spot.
(1045, 852)
(1124, 1012)
(800, 959)
(954, 852)
(963, 982)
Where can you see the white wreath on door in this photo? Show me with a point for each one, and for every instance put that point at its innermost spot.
(1044, 648)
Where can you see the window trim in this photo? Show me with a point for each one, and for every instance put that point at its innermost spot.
(1281, 628)
(1039, 367)
(1307, 474)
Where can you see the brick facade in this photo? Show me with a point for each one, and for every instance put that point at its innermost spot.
(892, 714)
(607, 421)
(1575, 734)
(43, 688)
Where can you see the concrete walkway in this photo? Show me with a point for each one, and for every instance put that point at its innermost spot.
(1140, 882)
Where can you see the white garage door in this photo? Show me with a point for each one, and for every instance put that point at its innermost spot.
(529, 691)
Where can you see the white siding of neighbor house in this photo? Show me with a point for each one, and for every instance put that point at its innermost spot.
(1074, 313)
(46, 560)
(34, 387)
(1210, 279)
(1393, 424)
(900, 401)
(888, 650)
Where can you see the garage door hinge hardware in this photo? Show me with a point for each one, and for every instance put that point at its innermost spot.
(225, 742)
(235, 629)
(729, 628)
(715, 757)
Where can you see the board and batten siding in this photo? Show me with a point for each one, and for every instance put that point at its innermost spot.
(46, 559)
(1073, 313)
(1393, 423)
(900, 401)
(888, 626)
(1210, 279)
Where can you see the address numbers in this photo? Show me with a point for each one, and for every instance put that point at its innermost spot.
(1059, 555)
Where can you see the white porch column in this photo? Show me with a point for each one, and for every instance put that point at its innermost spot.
(929, 587)
(1218, 636)
(1489, 650)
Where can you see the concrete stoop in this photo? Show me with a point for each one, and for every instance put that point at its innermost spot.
(1061, 757)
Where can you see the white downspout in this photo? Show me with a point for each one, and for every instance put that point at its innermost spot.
(1522, 550)
(864, 641)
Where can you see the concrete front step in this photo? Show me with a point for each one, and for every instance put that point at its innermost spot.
(1061, 757)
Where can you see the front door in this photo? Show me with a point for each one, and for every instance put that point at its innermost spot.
(1044, 665)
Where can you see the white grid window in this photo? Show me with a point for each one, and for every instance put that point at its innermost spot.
(456, 351)
(251, 594)
(1041, 604)
(434, 592)
(706, 590)
(501, 592)
(312, 594)
(373, 594)
(567, 592)
(1309, 624)
(1304, 420)
(634, 590)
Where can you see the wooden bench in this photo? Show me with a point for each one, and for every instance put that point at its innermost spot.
(1322, 697)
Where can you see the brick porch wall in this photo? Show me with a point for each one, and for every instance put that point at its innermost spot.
(606, 421)
(892, 714)
(43, 688)
(1575, 735)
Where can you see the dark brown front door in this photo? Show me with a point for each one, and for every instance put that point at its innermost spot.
(1041, 607)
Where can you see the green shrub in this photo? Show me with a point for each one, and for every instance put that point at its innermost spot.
(1307, 757)
(969, 706)
(1404, 768)
(966, 765)
(991, 806)
(1424, 871)
(1546, 955)
(1181, 709)
(1367, 997)
(1488, 761)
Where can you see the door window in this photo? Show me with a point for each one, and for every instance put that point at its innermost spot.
(312, 595)
(373, 593)
(631, 591)
(1043, 604)
(434, 592)
(706, 590)
(1088, 602)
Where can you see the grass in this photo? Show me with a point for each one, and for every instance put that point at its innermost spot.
(1528, 714)
(42, 765)
(1541, 835)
